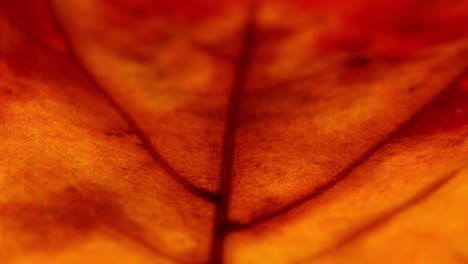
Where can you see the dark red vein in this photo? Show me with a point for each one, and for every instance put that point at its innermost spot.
(386, 217)
(145, 140)
(347, 171)
(241, 70)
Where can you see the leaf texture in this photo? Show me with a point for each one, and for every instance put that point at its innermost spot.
(233, 131)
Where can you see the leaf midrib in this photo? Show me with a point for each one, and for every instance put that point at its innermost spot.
(241, 70)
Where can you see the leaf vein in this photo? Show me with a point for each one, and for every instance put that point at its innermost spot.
(348, 170)
(242, 66)
(131, 122)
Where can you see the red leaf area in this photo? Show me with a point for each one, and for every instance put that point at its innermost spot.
(392, 29)
(194, 10)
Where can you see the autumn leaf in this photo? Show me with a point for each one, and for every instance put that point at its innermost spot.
(275, 131)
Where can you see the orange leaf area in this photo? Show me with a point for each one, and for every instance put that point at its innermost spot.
(228, 132)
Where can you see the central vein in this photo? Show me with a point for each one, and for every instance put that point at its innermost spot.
(241, 70)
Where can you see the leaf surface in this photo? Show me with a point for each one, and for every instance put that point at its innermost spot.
(233, 131)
